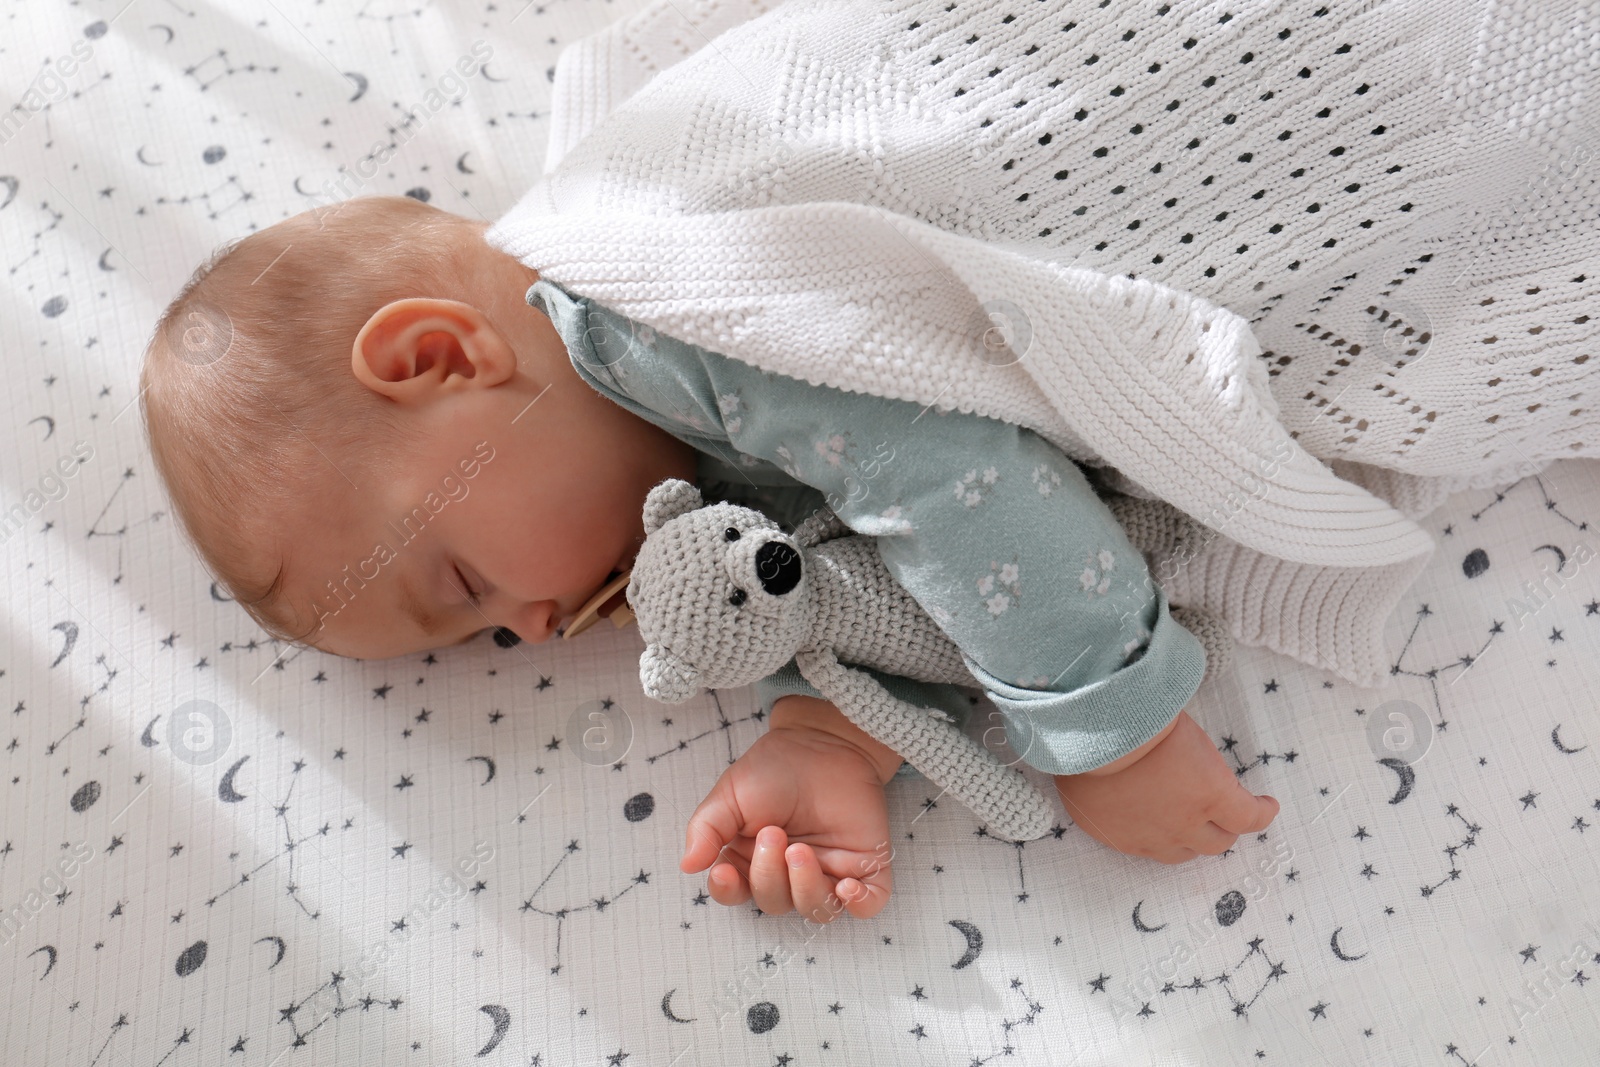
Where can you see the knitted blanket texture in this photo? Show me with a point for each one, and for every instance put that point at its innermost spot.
(1300, 270)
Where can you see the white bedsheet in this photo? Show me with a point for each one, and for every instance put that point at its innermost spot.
(290, 896)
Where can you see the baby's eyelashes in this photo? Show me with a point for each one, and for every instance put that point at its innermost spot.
(465, 587)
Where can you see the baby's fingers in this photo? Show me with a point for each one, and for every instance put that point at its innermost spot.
(865, 880)
(811, 886)
(769, 874)
(727, 885)
(1242, 812)
(714, 825)
(862, 899)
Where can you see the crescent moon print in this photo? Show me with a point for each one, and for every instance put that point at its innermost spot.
(974, 938)
(488, 77)
(70, 630)
(1555, 739)
(225, 791)
(1140, 926)
(148, 738)
(102, 260)
(281, 948)
(50, 966)
(139, 155)
(361, 84)
(296, 184)
(218, 597)
(49, 425)
(502, 1023)
(666, 1008)
(11, 190)
(487, 762)
(1561, 557)
(1408, 777)
(461, 164)
(171, 33)
(1333, 943)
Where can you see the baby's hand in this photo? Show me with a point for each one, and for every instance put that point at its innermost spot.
(812, 779)
(1174, 800)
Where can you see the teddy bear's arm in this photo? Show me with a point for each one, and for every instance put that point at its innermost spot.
(999, 795)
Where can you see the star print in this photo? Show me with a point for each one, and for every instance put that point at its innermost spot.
(382, 692)
(1528, 800)
(320, 676)
(397, 925)
(555, 743)
(544, 683)
(1367, 872)
(338, 753)
(1319, 1011)
(238, 1046)
(1098, 985)
(616, 1058)
(405, 782)
(167, 641)
(1527, 954)
(1272, 686)
(1146, 1011)
(1555, 635)
(783, 1059)
(495, 716)
(835, 1008)
(918, 1031)
(1593, 606)
(401, 849)
(919, 994)
(1361, 833)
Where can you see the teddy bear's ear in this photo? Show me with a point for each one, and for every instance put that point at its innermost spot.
(667, 501)
(665, 677)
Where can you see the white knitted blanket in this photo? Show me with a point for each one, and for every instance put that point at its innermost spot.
(1259, 259)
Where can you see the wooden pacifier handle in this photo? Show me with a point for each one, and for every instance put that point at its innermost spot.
(610, 602)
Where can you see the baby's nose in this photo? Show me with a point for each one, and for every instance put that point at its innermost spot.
(534, 622)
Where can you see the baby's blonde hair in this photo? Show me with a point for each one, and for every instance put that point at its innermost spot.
(247, 392)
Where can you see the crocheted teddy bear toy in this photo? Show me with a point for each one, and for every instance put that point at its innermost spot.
(724, 598)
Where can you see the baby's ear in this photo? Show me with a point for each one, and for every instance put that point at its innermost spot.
(410, 349)
(667, 501)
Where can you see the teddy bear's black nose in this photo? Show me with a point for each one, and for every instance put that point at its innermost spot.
(778, 567)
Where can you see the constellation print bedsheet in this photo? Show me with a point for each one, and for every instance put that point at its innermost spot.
(215, 849)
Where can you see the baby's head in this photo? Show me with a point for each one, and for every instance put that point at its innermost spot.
(377, 446)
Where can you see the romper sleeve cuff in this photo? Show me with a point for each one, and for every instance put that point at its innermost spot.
(1069, 733)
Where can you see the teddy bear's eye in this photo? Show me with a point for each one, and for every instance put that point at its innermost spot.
(738, 597)
(731, 533)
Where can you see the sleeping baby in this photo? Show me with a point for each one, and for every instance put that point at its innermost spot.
(384, 435)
